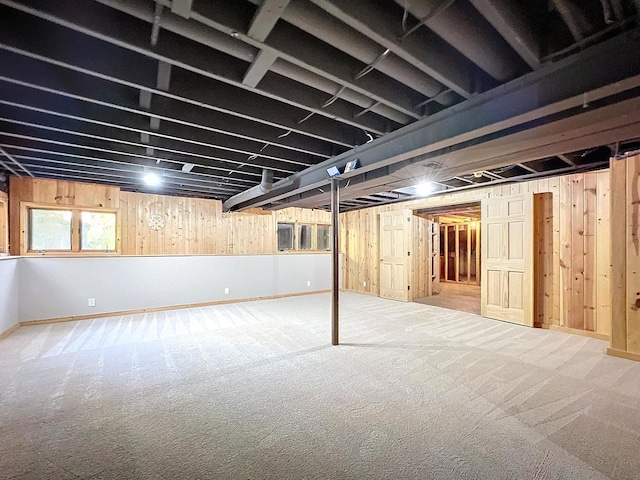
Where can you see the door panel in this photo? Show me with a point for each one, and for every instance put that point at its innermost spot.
(507, 258)
(434, 247)
(395, 241)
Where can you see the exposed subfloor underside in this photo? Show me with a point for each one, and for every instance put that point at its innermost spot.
(456, 296)
(254, 390)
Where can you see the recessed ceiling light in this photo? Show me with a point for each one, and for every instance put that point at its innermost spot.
(424, 189)
(151, 179)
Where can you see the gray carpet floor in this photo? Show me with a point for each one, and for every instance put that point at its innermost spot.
(255, 391)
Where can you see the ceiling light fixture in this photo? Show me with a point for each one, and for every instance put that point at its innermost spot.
(424, 189)
(151, 179)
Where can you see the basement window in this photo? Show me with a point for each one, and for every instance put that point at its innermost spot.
(303, 237)
(98, 231)
(285, 236)
(53, 229)
(49, 229)
(323, 237)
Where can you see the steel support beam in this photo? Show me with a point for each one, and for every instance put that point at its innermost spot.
(335, 260)
(548, 96)
(266, 18)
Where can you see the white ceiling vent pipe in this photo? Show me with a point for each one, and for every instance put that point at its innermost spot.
(267, 180)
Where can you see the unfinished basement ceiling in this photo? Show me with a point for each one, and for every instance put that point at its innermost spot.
(210, 94)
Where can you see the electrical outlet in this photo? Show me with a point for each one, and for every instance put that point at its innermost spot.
(308, 283)
(226, 291)
(91, 302)
(364, 284)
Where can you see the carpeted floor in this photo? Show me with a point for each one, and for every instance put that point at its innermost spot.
(254, 390)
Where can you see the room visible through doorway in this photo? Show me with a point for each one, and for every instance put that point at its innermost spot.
(455, 282)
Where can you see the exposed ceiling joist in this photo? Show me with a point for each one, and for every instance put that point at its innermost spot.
(265, 18)
(315, 56)
(251, 103)
(259, 68)
(181, 7)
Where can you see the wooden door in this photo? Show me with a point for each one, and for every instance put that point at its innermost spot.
(434, 259)
(507, 246)
(395, 251)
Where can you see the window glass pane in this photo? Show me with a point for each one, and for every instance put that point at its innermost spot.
(305, 237)
(49, 229)
(324, 237)
(285, 236)
(97, 231)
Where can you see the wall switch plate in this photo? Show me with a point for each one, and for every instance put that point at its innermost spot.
(308, 283)
(226, 291)
(91, 302)
(364, 284)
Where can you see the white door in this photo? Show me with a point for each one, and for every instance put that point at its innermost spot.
(507, 258)
(395, 251)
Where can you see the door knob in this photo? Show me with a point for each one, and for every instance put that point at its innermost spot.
(637, 302)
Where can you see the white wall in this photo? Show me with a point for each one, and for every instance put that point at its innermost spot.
(60, 287)
(9, 292)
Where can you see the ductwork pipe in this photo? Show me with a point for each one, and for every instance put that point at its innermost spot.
(575, 19)
(320, 24)
(267, 180)
(475, 39)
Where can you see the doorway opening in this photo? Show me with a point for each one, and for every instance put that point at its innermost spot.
(455, 257)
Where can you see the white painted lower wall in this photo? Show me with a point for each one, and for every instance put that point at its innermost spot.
(60, 287)
(9, 293)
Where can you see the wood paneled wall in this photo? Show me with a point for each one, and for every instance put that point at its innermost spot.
(4, 224)
(54, 192)
(192, 226)
(575, 278)
(574, 273)
(625, 251)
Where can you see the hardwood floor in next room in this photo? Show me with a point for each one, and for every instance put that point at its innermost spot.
(461, 297)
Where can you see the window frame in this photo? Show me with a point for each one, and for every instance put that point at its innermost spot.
(76, 229)
(296, 241)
